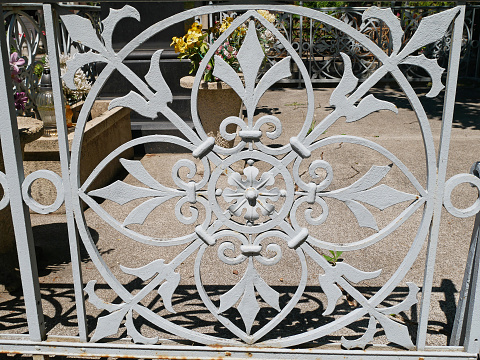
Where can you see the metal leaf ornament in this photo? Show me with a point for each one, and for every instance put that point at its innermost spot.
(158, 102)
(81, 30)
(245, 290)
(344, 105)
(431, 29)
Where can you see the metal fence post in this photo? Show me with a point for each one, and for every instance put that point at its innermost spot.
(447, 119)
(20, 214)
(467, 317)
(51, 34)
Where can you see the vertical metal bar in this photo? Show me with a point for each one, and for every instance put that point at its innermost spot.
(458, 330)
(311, 57)
(20, 215)
(291, 32)
(210, 24)
(300, 47)
(52, 37)
(447, 118)
(477, 67)
(472, 316)
(469, 51)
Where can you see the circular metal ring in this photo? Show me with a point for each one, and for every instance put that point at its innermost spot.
(55, 179)
(454, 182)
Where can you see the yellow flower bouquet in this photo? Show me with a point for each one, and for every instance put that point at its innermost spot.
(195, 44)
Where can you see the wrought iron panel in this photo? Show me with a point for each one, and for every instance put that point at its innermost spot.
(264, 211)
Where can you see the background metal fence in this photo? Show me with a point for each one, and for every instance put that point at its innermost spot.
(320, 45)
(25, 28)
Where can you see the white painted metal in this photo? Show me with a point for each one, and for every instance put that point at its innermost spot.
(12, 158)
(32, 203)
(447, 119)
(52, 41)
(248, 216)
(188, 352)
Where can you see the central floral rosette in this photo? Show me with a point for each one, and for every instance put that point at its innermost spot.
(254, 201)
(252, 194)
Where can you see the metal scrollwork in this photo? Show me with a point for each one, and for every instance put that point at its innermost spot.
(320, 45)
(26, 37)
(258, 215)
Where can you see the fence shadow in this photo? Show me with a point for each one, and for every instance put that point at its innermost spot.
(59, 300)
(467, 111)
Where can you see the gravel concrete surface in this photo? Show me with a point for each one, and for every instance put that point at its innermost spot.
(399, 133)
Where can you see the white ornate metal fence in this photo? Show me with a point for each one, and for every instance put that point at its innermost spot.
(320, 45)
(256, 217)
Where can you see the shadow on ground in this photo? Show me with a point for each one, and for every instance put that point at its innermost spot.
(466, 114)
(192, 315)
(52, 247)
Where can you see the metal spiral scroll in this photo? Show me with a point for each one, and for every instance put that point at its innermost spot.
(254, 218)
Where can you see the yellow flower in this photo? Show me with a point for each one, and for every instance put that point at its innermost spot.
(242, 29)
(226, 24)
(193, 39)
(190, 43)
(196, 28)
(179, 44)
(267, 15)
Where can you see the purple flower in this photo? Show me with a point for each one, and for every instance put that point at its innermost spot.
(20, 100)
(15, 62)
(209, 67)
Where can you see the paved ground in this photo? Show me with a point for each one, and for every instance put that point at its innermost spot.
(400, 134)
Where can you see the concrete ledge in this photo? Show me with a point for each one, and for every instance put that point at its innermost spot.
(104, 133)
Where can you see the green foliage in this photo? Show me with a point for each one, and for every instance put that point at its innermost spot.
(431, 3)
(323, 4)
(310, 129)
(38, 69)
(334, 258)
